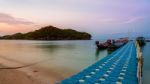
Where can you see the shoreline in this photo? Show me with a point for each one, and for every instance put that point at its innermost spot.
(28, 75)
(13, 76)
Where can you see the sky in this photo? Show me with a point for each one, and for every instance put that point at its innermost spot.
(100, 18)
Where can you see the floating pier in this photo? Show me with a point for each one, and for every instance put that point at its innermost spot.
(120, 67)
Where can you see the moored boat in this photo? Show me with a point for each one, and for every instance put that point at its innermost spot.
(141, 41)
(112, 44)
(147, 40)
(104, 45)
(117, 44)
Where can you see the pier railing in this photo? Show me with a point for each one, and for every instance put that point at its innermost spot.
(140, 63)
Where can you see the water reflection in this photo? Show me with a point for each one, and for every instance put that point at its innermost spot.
(64, 57)
(54, 48)
(97, 52)
(146, 67)
(100, 52)
(109, 52)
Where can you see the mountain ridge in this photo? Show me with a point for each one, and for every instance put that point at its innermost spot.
(49, 33)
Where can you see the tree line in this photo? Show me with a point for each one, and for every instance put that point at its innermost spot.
(50, 33)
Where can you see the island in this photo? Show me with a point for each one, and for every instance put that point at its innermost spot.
(49, 33)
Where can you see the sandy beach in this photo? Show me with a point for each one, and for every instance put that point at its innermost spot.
(26, 76)
(10, 73)
(9, 76)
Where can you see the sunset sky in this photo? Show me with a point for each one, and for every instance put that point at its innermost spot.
(98, 17)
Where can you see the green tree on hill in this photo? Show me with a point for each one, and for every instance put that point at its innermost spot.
(50, 33)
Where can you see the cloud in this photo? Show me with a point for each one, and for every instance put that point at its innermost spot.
(120, 20)
(131, 20)
(9, 19)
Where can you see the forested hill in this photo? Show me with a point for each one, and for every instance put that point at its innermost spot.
(50, 33)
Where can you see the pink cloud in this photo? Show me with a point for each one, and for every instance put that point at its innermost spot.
(131, 20)
(9, 19)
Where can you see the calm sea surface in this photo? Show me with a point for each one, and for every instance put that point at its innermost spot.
(64, 56)
(146, 68)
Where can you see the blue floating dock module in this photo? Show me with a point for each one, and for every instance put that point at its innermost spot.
(120, 67)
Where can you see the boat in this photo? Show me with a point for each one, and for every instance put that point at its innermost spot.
(104, 45)
(147, 40)
(112, 44)
(117, 44)
(141, 41)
